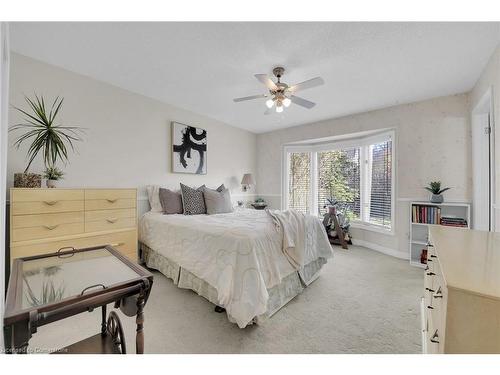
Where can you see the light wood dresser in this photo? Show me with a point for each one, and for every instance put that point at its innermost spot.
(45, 220)
(461, 304)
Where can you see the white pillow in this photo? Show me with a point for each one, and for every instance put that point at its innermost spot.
(154, 198)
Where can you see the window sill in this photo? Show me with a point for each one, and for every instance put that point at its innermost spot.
(373, 228)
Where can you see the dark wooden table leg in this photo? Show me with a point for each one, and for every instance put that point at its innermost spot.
(139, 321)
(104, 324)
(19, 338)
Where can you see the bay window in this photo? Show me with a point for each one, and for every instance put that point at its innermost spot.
(356, 172)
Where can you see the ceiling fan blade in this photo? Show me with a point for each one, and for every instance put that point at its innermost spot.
(266, 81)
(302, 102)
(249, 98)
(313, 82)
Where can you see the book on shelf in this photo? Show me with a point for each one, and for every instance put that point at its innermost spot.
(426, 214)
(453, 221)
(430, 214)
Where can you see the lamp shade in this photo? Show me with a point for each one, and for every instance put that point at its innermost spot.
(247, 179)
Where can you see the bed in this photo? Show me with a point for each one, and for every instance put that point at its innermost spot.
(235, 260)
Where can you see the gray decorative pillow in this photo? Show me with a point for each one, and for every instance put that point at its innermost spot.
(171, 202)
(218, 201)
(192, 200)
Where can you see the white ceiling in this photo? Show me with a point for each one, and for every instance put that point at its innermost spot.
(203, 66)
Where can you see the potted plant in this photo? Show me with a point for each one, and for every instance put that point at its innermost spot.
(53, 174)
(46, 137)
(435, 188)
(259, 204)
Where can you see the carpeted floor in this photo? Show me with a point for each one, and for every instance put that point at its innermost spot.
(363, 302)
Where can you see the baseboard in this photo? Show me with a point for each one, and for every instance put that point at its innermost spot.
(381, 249)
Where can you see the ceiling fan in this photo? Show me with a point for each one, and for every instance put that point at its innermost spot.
(280, 94)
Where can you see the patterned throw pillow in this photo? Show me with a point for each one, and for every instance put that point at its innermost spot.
(193, 201)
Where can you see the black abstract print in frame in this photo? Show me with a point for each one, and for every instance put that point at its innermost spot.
(188, 145)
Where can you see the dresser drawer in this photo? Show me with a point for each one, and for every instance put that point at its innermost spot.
(47, 195)
(45, 207)
(27, 221)
(109, 214)
(109, 204)
(124, 241)
(110, 224)
(46, 231)
(110, 194)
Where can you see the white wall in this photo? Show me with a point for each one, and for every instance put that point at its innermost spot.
(433, 142)
(490, 78)
(127, 141)
(4, 93)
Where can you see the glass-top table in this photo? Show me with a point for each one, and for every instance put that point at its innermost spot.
(50, 287)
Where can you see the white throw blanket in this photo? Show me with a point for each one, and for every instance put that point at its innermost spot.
(292, 225)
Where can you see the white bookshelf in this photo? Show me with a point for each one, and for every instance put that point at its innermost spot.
(419, 232)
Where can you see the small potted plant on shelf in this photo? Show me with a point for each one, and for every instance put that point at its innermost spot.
(259, 204)
(53, 174)
(47, 137)
(437, 193)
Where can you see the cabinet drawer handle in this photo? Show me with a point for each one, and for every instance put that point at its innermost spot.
(430, 307)
(51, 227)
(434, 337)
(430, 274)
(112, 220)
(439, 293)
(50, 203)
(433, 256)
(430, 290)
(111, 200)
(429, 244)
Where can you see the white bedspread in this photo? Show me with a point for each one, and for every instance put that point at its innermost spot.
(239, 254)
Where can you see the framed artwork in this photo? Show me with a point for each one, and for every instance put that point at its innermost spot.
(189, 149)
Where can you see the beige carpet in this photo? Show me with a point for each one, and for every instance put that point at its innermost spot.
(363, 302)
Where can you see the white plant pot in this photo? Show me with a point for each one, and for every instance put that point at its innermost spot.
(52, 183)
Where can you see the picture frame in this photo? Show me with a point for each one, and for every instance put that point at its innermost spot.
(189, 149)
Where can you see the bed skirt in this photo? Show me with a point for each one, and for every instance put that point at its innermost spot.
(279, 295)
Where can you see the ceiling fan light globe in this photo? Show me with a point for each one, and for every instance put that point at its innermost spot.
(279, 109)
(287, 102)
(269, 103)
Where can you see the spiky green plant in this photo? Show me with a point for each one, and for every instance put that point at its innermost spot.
(435, 188)
(53, 173)
(46, 137)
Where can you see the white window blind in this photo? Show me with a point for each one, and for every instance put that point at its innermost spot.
(299, 181)
(339, 179)
(380, 183)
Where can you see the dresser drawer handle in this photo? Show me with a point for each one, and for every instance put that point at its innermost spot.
(433, 256)
(50, 203)
(439, 293)
(111, 200)
(431, 274)
(51, 227)
(112, 220)
(434, 337)
(430, 290)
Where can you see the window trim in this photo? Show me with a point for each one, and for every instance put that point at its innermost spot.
(354, 141)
